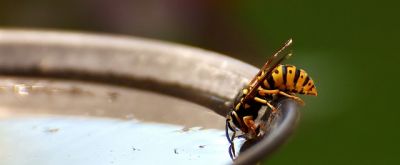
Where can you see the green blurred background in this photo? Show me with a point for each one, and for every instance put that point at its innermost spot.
(348, 47)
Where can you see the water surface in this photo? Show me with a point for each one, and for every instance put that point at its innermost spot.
(72, 140)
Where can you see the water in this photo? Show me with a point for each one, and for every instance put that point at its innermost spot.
(58, 122)
(73, 140)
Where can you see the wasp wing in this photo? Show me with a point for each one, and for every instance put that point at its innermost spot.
(267, 69)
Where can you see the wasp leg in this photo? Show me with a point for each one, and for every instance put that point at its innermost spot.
(226, 132)
(232, 152)
(249, 122)
(264, 92)
(263, 101)
(298, 99)
(230, 140)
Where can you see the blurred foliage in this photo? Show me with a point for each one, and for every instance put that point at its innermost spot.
(348, 47)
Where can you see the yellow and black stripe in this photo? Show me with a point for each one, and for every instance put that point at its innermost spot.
(288, 78)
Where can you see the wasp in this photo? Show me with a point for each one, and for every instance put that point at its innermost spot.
(273, 79)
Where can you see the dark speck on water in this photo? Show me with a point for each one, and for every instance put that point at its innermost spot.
(185, 129)
(202, 146)
(176, 151)
(135, 149)
(52, 130)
